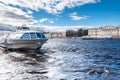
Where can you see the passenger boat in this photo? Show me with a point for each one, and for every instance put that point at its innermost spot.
(23, 38)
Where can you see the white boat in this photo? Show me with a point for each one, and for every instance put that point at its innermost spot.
(23, 39)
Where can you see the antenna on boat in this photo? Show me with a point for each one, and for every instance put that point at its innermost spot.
(23, 27)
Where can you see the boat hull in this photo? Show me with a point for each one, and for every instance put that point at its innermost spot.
(24, 44)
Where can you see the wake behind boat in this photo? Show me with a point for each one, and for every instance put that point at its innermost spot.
(23, 39)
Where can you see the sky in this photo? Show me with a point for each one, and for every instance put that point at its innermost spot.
(60, 13)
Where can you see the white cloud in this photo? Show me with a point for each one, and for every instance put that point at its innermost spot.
(51, 22)
(29, 12)
(46, 20)
(43, 20)
(62, 29)
(12, 15)
(74, 16)
(51, 6)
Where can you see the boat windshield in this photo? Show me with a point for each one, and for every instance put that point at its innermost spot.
(40, 35)
(28, 36)
(33, 36)
(43, 36)
(25, 36)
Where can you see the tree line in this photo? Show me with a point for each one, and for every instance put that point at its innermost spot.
(79, 33)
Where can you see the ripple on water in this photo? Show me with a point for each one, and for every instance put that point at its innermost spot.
(64, 59)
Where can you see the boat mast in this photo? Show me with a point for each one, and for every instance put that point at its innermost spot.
(23, 27)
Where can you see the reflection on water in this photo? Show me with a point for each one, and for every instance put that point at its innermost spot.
(64, 59)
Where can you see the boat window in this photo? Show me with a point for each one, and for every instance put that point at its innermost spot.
(42, 35)
(25, 36)
(33, 36)
(38, 35)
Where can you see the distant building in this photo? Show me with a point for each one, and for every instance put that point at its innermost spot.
(55, 34)
(107, 31)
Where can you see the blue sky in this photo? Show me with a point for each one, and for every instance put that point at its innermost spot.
(60, 13)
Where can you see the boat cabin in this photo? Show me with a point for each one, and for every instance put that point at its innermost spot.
(27, 36)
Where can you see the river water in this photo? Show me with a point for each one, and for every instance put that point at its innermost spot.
(64, 59)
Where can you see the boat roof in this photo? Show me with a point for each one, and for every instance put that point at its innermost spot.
(27, 31)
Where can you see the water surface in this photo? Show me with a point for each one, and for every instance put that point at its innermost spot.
(64, 59)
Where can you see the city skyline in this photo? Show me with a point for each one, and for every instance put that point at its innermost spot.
(60, 13)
